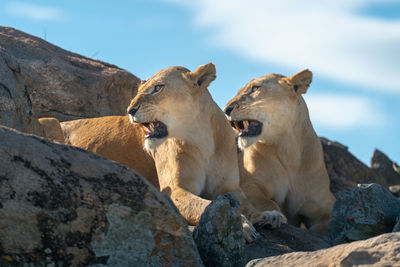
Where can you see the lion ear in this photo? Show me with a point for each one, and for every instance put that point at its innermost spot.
(300, 81)
(202, 76)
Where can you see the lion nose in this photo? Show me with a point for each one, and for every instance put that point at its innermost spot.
(132, 111)
(228, 109)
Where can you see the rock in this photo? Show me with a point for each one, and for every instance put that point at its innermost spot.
(385, 167)
(15, 105)
(63, 206)
(383, 250)
(367, 211)
(346, 171)
(396, 227)
(219, 234)
(66, 85)
(285, 239)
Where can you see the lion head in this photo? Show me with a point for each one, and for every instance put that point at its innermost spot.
(167, 105)
(268, 107)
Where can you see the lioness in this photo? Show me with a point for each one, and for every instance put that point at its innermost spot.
(191, 143)
(282, 157)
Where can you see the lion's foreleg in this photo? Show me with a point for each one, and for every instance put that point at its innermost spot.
(189, 205)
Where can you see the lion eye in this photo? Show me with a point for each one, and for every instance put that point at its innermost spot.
(254, 88)
(157, 88)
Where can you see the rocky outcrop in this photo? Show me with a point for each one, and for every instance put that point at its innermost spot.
(62, 206)
(66, 85)
(383, 250)
(396, 227)
(367, 211)
(15, 105)
(282, 240)
(385, 167)
(346, 171)
(219, 235)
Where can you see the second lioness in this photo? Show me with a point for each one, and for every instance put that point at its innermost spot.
(282, 158)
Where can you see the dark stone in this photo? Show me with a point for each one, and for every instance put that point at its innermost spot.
(219, 233)
(367, 211)
(285, 239)
(385, 167)
(346, 171)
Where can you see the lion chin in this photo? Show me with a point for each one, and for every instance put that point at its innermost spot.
(150, 144)
(245, 142)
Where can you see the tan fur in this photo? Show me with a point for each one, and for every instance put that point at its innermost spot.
(52, 129)
(197, 160)
(114, 138)
(285, 162)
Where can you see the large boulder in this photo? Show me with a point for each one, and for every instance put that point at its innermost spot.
(66, 85)
(62, 206)
(385, 167)
(282, 240)
(379, 251)
(367, 211)
(346, 171)
(219, 235)
(15, 105)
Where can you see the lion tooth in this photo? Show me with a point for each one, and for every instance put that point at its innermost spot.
(245, 124)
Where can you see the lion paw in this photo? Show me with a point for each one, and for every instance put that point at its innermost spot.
(272, 219)
(249, 232)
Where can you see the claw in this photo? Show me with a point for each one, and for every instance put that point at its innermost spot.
(249, 232)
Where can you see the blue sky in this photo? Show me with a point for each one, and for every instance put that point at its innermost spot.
(352, 47)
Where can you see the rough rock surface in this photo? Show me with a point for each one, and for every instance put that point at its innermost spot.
(62, 206)
(385, 167)
(66, 85)
(285, 239)
(346, 171)
(367, 211)
(383, 250)
(15, 105)
(219, 235)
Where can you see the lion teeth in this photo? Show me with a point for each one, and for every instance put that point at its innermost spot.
(245, 124)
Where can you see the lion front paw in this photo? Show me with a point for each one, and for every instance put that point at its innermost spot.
(272, 219)
(249, 232)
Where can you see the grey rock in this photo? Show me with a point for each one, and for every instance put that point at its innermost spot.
(66, 85)
(15, 105)
(396, 227)
(367, 211)
(285, 239)
(385, 167)
(345, 170)
(383, 250)
(219, 234)
(63, 206)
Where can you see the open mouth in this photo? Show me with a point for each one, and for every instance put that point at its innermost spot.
(154, 129)
(247, 127)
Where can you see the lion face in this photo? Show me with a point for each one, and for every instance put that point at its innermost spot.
(266, 107)
(167, 104)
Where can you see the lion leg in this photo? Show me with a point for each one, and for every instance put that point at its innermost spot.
(317, 213)
(255, 201)
(189, 205)
(270, 216)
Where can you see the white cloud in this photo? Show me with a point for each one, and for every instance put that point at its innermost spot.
(344, 112)
(332, 38)
(34, 12)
